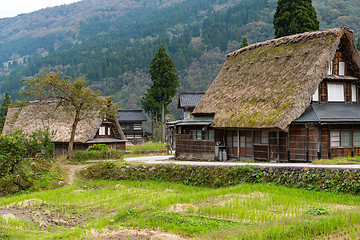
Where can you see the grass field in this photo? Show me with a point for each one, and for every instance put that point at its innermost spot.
(100, 209)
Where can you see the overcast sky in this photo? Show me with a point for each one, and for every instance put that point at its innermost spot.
(11, 8)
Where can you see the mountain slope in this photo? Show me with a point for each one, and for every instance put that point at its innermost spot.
(112, 42)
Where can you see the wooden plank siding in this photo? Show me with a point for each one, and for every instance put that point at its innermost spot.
(194, 149)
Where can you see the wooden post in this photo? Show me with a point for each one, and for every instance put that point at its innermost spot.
(307, 143)
(238, 149)
(288, 143)
(278, 145)
(319, 142)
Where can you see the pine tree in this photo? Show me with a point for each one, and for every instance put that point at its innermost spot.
(294, 16)
(165, 83)
(4, 109)
(244, 43)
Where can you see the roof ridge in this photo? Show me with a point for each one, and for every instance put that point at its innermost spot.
(293, 39)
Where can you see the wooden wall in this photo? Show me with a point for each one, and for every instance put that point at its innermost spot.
(194, 149)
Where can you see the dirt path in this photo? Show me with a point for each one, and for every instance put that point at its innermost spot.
(70, 171)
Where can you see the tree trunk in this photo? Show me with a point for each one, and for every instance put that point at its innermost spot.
(152, 127)
(73, 131)
(162, 123)
(156, 127)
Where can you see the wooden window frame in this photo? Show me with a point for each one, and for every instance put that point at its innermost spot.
(341, 132)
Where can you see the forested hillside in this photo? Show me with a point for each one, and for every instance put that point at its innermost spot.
(112, 42)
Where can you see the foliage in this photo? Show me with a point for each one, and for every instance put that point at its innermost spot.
(101, 154)
(146, 147)
(292, 17)
(317, 210)
(164, 86)
(73, 95)
(358, 44)
(244, 43)
(248, 211)
(98, 147)
(17, 163)
(338, 161)
(4, 109)
(113, 48)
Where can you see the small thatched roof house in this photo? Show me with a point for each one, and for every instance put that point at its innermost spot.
(273, 100)
(48, 114)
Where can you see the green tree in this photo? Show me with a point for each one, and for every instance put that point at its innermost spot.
(294, 16)
(244, 43)
(165, 83)
(73, 95)
(152, 107)
(4, 109)
(358, 44)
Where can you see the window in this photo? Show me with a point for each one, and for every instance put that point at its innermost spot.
(137, 126)
(335, 138)
(353, 93)
(342, 68)
(340, 138)
(211, 135)
(202, 135)
(345, 138)
(187, 114)
(315, 97)
(102, 131)
(261, 137)
(335, 92)
(330, 68)
(109, 131)
(356, 138)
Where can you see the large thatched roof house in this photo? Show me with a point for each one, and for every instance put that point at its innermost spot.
(291, 98)
(93, 129)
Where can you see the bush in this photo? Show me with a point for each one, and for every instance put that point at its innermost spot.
(82, 156)
(98, 147)
(147, 147)
(17, 153)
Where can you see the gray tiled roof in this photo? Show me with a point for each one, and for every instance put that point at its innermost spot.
(131, 115)
(330, 113)
(189, 99)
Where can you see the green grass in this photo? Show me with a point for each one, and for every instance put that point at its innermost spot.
(147, 147)
(338, 161)
(242, 212)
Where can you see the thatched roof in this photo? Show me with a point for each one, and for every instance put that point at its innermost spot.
(270, 84)
(40, 115)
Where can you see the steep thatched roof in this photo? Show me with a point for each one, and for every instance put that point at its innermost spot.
(270, 84)
(40, 115)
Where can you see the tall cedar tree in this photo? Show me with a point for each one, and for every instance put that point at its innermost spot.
(73, 95)
(244, 43)
(4, 109)
(294, 16)
(165, 83)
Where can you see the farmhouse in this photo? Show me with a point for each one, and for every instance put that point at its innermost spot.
(188, 101)
(295, 98)
(131, 124)
(47, 114)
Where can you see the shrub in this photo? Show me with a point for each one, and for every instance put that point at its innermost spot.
(146, 147)
(98, 147)
(82, 156)
(17, 153)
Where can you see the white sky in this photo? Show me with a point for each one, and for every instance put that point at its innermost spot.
(11, 8)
